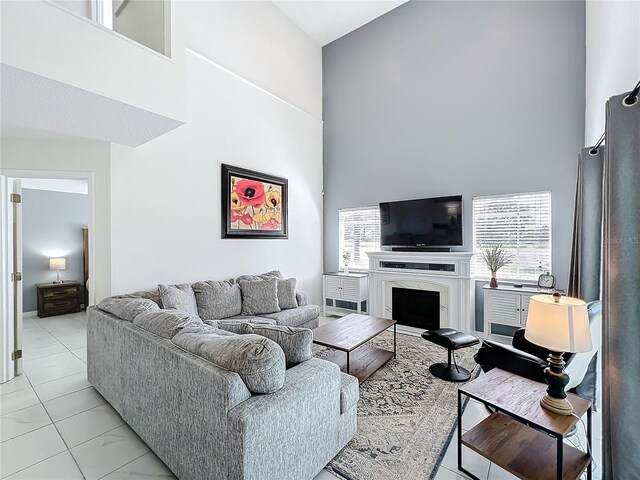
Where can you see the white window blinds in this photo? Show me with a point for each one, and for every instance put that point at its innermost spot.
(522, 224)
(359, 233)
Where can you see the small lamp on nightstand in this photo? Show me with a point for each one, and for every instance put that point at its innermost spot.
(560, 324)
(57, 264)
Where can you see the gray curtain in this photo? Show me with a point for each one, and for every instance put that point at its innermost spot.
(621, 290)
(584, 275)
(586, 266)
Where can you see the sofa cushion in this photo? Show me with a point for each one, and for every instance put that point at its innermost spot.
(234, 324)
(262, 276)
(191, 338)
(302, 298)
(287, 293)
(178, 297)
(296, 343)
(259, 296)
(349, 392)
(217, 300)
(259, 361)
(166, 323)
(295, 316)
(127, 308)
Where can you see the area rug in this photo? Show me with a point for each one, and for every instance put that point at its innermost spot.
(406, 416)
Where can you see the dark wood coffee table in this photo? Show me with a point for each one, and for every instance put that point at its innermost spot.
(348, 335)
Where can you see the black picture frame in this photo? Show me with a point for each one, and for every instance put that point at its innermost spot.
(230, 229)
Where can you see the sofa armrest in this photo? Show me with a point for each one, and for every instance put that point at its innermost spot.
(292, 433)
(302, 298)
(505, 357)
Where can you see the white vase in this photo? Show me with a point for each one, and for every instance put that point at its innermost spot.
(346, 269)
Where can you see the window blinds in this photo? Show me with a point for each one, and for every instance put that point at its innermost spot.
(359, 233)
(522, 224)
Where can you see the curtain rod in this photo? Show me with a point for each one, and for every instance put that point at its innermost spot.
(629, 100)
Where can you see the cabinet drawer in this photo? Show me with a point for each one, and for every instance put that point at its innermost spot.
(60, 293)
(52, 306)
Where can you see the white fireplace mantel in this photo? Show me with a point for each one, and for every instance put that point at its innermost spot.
(446, 273)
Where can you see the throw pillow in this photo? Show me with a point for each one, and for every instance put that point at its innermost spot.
(260, 296)
(178, 297)
(287, 293)
(253, 278)
(217, 300)
(296, 343)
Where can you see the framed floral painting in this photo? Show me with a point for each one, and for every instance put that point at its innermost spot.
(254, 204)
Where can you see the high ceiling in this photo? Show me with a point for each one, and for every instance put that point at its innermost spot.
(326, 21)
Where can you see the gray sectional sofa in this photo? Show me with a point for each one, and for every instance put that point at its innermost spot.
(222, 398)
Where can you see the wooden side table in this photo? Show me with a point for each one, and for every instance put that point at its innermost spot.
(521, 436)
(58, 298)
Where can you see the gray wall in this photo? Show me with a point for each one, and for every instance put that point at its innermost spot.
(51, 226)
(443, 98)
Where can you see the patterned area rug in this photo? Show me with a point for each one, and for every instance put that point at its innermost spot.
(405, 415)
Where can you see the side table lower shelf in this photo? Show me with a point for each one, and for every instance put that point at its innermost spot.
(518, 449)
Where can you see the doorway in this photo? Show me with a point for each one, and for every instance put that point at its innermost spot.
(52, 256)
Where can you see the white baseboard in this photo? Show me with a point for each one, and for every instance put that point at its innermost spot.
(32, 314)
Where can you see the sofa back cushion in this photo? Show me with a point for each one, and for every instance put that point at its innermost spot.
(287, 293)
(178, 297)
(260, 362)
(296, 343)
(166, 323)
(259, 296)
(216, 300)
(127, 308)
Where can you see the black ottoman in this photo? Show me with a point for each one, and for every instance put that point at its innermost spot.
(451, 340)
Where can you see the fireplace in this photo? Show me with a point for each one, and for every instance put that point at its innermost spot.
(416, 308)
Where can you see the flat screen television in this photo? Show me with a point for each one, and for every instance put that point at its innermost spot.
(427, 222)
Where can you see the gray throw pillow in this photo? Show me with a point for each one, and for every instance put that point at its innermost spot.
(296, 343)
(166, 323)
(253, 278)
(217, 300)
(178, 297)
(260, 296)
(287, 293)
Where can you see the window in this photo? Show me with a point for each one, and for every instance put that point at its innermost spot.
(359, 233)
(522, 224)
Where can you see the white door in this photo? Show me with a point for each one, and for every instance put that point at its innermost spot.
(350, 289)
(333, 286)
(17, 273)
(503, 308)
(524, 308)
(10, 283)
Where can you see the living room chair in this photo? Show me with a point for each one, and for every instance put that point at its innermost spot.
(529, 360)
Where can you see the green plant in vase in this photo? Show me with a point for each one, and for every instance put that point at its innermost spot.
(346, 258)
(495, 257)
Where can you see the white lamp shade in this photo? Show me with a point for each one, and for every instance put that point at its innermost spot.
(559, 326)
(57, 263)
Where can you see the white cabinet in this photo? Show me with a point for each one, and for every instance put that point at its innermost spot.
(506, 308)
(345, 293)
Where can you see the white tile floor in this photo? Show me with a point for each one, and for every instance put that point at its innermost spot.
(54, 425)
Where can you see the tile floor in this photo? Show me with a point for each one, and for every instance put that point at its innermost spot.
(54, 425)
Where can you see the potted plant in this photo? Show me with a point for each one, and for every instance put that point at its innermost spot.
(495, 257)
(346, 258)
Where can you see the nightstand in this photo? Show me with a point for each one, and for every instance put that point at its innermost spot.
(58, 298)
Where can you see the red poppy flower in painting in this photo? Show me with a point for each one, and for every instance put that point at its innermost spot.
(246, 218)
(251, 192)
(270, 225)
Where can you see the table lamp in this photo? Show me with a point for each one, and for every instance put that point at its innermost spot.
(560, 324)
(57, 264)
